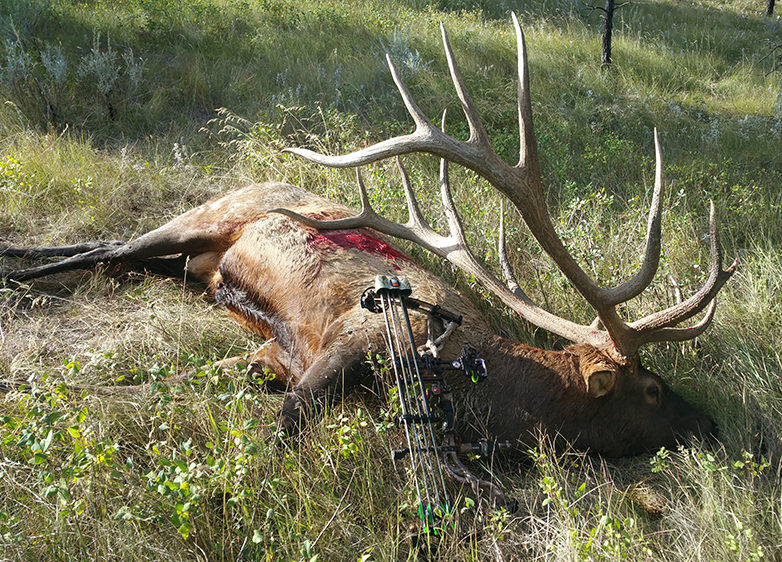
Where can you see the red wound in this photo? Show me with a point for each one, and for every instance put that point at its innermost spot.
(358, 239)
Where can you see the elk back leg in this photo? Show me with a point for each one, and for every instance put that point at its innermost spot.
(78, 256)
(57, 251)
(146, 253)
(168, 267)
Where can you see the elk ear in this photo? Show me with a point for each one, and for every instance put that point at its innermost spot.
(600, 383)
(598, 370)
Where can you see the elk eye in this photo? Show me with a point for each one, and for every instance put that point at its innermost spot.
(653, 392)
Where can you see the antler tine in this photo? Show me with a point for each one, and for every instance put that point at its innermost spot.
(451, 214)
(416, 220)
(683, 334)
(677, 290)
(477, 130)
(649, 325)
(422, 122)
(528, 147)
(366, 215)
(645, 274)
(366, 205)
(446, 197)
(505, 267)
(457, 230)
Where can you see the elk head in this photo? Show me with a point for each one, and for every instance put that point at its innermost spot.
(610, 337)
(634, 409)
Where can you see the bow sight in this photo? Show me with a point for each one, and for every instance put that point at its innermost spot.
(425, 400)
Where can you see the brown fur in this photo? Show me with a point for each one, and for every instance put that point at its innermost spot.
(300, 289)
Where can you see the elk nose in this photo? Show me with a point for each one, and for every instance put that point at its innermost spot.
(700, 427)
(706, 428)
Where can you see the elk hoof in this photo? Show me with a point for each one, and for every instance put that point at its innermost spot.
(291, 419)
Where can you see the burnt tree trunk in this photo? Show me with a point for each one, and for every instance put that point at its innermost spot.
(608, 26)
(770, 8)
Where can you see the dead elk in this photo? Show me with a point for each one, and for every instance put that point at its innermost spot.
(291, 266)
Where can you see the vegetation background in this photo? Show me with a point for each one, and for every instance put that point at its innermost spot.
(118, 115)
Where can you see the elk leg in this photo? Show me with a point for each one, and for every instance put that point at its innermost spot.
(147, 252)
(333, 374)
(167, 267)
(271, 356)
(85, 260)
(99, 252)
(271, 359)
(57, 251)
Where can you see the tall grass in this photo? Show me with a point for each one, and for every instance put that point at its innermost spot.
(109, 127)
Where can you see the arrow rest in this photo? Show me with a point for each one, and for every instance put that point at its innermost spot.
(425, 402)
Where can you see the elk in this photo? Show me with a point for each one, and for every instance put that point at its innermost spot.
(291, 266)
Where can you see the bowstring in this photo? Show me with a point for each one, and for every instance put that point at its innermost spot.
(421, 442)
(432, 447)
(401, 389)
(408, 358)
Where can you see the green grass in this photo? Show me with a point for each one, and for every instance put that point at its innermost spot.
(197, 472)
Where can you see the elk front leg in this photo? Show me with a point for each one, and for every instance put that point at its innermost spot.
(270, 358)
(333, 374)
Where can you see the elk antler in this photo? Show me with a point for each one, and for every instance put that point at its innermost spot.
(523, 186)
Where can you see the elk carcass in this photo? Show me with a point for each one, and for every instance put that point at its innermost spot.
(292, 266)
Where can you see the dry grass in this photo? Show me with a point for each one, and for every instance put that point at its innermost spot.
(197, 472)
